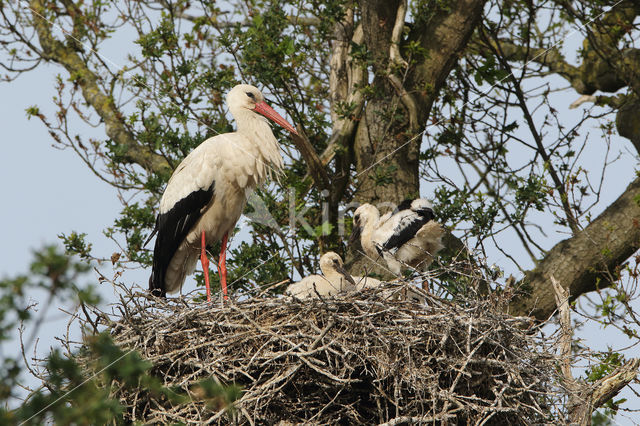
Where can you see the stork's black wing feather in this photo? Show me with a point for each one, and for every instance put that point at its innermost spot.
(405, 205)
(172, 227)
(425, 212)
(405, 231)
(422, 210)
(409, 225)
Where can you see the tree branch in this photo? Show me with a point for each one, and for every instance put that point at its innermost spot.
(395, 61)
(608, 387)
(316, 169)
(566, 336)
(559, 184)
(585, 398)
(595, 395)
(604, 67)
(588, 261)
(552, 59)
(443, 38)
(345, 79)
(56, 51)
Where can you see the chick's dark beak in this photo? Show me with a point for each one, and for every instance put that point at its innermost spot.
(355, 234)
(347, 276)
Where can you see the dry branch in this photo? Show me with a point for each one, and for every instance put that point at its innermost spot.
(584, 398)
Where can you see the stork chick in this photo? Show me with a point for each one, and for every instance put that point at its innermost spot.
(334, 279)
(406, 236)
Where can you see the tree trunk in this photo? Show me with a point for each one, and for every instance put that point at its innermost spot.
(386, 171)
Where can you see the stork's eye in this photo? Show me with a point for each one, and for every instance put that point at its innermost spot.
(356, 219)
(251, 95)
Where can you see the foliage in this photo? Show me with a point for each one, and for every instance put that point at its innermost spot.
(73, 393)
(53, 277)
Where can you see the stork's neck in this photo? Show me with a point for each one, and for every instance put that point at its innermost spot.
(368, 229)
(250, 123)
(328, 272)
(253, 126)
(257, 129)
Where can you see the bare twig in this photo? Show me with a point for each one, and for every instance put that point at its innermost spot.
(585, 398)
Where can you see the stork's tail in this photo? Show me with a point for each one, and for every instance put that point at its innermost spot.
(156, 280)
(154, 288)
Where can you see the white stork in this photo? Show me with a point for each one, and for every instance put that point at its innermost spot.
(207, 192)
(406, 236)
(334, 279)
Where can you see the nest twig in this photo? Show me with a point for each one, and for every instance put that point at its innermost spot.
(358, 358)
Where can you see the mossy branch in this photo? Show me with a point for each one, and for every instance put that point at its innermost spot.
(56, 51)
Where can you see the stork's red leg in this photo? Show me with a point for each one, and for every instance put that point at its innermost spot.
(222, 266)
(205, 266)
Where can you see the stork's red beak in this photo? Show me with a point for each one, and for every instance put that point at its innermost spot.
(269, 112)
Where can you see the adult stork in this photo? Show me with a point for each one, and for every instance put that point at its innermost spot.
(207, 192)
(334, 279)
(406, 236)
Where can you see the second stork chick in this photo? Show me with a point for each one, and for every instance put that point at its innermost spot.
(334, 279)
(407, 236)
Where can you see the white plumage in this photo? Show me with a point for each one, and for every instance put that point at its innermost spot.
(207, 192)
(367, 283)
(407, 236)
(334, 279)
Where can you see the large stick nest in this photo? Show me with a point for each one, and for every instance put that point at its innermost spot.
(359, 358)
